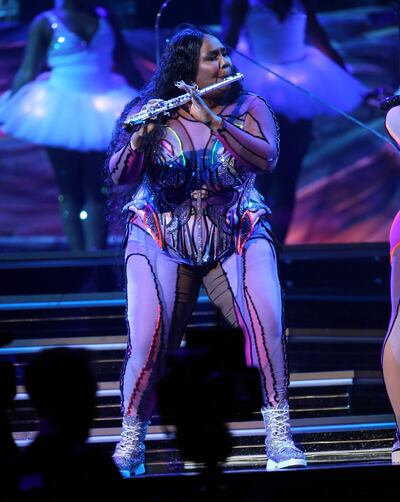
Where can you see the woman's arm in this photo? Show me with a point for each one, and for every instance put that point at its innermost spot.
(126, 164)
(233, 13)
(257, 145)
(39, 38)
(123, 58)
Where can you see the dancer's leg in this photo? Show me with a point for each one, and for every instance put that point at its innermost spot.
(94, 203)
(68, 171)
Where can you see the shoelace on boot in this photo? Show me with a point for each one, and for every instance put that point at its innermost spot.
(281, 437)
(131, 438)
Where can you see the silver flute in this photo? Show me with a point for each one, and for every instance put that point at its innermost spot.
(163, 107)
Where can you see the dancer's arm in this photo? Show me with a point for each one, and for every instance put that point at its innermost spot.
(233, 13)
(39, 38)
(317, 36)
(123, 57)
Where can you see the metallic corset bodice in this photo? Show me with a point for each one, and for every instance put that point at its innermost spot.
(194, 199)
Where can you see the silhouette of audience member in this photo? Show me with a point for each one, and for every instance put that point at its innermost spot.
(206, 385)
(8, 449)
(58, 465)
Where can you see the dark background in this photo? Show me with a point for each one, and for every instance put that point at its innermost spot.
(143, 12)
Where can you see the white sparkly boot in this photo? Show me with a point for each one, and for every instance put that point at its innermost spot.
(280, 449)
(129, 452)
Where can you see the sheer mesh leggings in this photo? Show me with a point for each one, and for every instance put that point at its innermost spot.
(161, 295)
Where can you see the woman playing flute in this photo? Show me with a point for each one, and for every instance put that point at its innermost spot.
(196, 219)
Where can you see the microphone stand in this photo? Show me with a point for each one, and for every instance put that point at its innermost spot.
(157, 30)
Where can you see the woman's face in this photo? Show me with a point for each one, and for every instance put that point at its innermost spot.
(214, 62)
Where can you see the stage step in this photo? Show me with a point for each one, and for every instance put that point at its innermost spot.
(324, 424)
(311, 395)
(335, 286)
(337, 306)
(326, 440)
(77, 315)
(103, 331)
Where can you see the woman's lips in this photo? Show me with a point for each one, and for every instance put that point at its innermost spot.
(222, 77)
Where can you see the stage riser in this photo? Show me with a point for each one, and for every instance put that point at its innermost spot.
(162, 456)
(304, 403)
(324, 286)
(335, 356)
(344, 269)
(336, 311)
(369, 484)
(249, 452)
(309, 313)
(78, 322)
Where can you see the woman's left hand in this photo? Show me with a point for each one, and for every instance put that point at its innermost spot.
(200, 111)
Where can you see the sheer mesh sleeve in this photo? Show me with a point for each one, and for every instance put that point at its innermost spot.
(256, 146)
(125, 163)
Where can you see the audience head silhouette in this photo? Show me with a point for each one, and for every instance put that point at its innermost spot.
(62, 388)
(8, 385)
(8, 449)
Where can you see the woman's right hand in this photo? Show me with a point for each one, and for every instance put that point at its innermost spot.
(137, 136)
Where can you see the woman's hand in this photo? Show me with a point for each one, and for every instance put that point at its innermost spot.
(200, 111)
(136, 140)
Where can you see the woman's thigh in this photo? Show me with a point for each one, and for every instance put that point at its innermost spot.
(394, 325)
(247, 281)
(161, 295)
(158, 291)
(247, 290)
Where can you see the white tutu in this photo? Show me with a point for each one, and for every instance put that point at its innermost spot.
(279, 46)
(315, 73)
(76, 105)
(45, 114)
